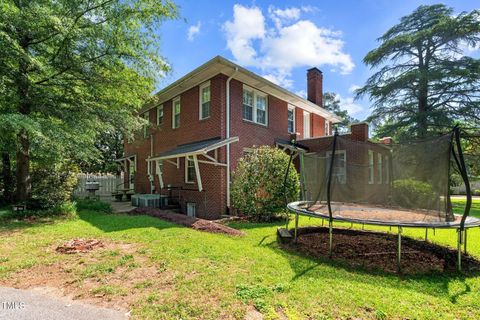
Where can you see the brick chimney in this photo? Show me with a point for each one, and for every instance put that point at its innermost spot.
(315, 86)
(359, 131)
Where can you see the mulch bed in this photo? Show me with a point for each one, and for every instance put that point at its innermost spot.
(378, 251)
(191, 222)
(79, 246)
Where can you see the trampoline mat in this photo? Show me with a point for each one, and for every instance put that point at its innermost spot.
(376, 215)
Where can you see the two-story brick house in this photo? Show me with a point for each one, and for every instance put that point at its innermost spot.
(205, 121)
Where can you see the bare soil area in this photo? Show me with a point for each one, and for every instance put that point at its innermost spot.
(191, 222)
(378, 251)
(89, 276)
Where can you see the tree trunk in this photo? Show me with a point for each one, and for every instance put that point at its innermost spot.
(24, 185)
(7, 177)
(24, 107)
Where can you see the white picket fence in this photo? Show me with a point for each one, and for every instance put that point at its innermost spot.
(108, 184)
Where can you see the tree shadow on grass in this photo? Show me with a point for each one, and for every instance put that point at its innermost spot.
(121, 222)
(435, 283)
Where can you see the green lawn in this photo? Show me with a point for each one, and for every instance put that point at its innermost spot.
(171, 272)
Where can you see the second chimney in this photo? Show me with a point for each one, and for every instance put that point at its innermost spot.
(315, 86)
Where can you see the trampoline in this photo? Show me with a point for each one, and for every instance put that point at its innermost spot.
(384, 184)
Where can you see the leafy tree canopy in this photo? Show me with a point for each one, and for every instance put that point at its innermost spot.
(331, 102)
(72, 69)
(425, 83)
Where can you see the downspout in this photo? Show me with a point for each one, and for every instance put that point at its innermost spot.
(227, 124)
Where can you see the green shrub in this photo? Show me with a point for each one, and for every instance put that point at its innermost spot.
(413, 193)
(52, 186)
(93, 205)
(477, 192)
(258, 183)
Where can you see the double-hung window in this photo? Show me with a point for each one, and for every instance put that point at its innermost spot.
(176, 113)
(371, 174)
(205, 100)
(146, 116)
(189, 170)
(291, 119)
(306, 124)
(255, 106)
(159, 114)
(379, 168)
(387, 169)
(339, 165)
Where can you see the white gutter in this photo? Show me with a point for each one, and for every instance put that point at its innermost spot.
(228, 135)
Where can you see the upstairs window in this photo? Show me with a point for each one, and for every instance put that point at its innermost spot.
(291, 119)
(247, 105)
(371, 174)
(255, 106)
(159, 114)
(205, 100)
(176, 113)
(146, 116)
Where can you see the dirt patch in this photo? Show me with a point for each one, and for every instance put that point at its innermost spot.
(79, 245)
(378, 251)
(115, 276)
(191, 222)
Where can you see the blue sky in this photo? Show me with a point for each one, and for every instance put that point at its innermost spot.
(282, 39)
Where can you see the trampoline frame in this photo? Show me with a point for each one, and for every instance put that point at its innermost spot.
(465, 223)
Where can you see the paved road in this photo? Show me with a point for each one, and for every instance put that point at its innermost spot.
(30, 305)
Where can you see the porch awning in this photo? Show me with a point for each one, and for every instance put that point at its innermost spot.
(194, 148)
(128, 158)
(192, 151)
(288, 145)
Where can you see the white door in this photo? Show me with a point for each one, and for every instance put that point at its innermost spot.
(306, 124)
(131, 178)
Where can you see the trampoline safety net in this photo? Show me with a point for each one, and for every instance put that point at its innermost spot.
(394, 182)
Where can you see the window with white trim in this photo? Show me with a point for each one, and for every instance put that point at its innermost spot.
(189, 170)
(176, 107)
(340, 166)
(204, 100)
(327, 127)
(291, 119)
(159, 114)
(306, 124)
(379, 168)
(387, 169)
(255, 106)
(371, 173)
(146, 116)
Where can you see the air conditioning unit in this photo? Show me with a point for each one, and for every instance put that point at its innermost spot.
(149, 200)
(135, 198)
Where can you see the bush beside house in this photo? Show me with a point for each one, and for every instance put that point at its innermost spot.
(258, 183)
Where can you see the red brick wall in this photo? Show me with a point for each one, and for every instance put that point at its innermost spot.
(211, 202)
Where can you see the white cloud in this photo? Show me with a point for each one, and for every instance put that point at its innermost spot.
(291, 42)
(301, 93)
(347, 103)
(280, 78)
(353, 87)
(193, 31)
(248, 24)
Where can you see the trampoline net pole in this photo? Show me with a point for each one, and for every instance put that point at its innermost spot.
(330, 234)
(459, 249)
(465, 242)
(296, 227)
(399, 250)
